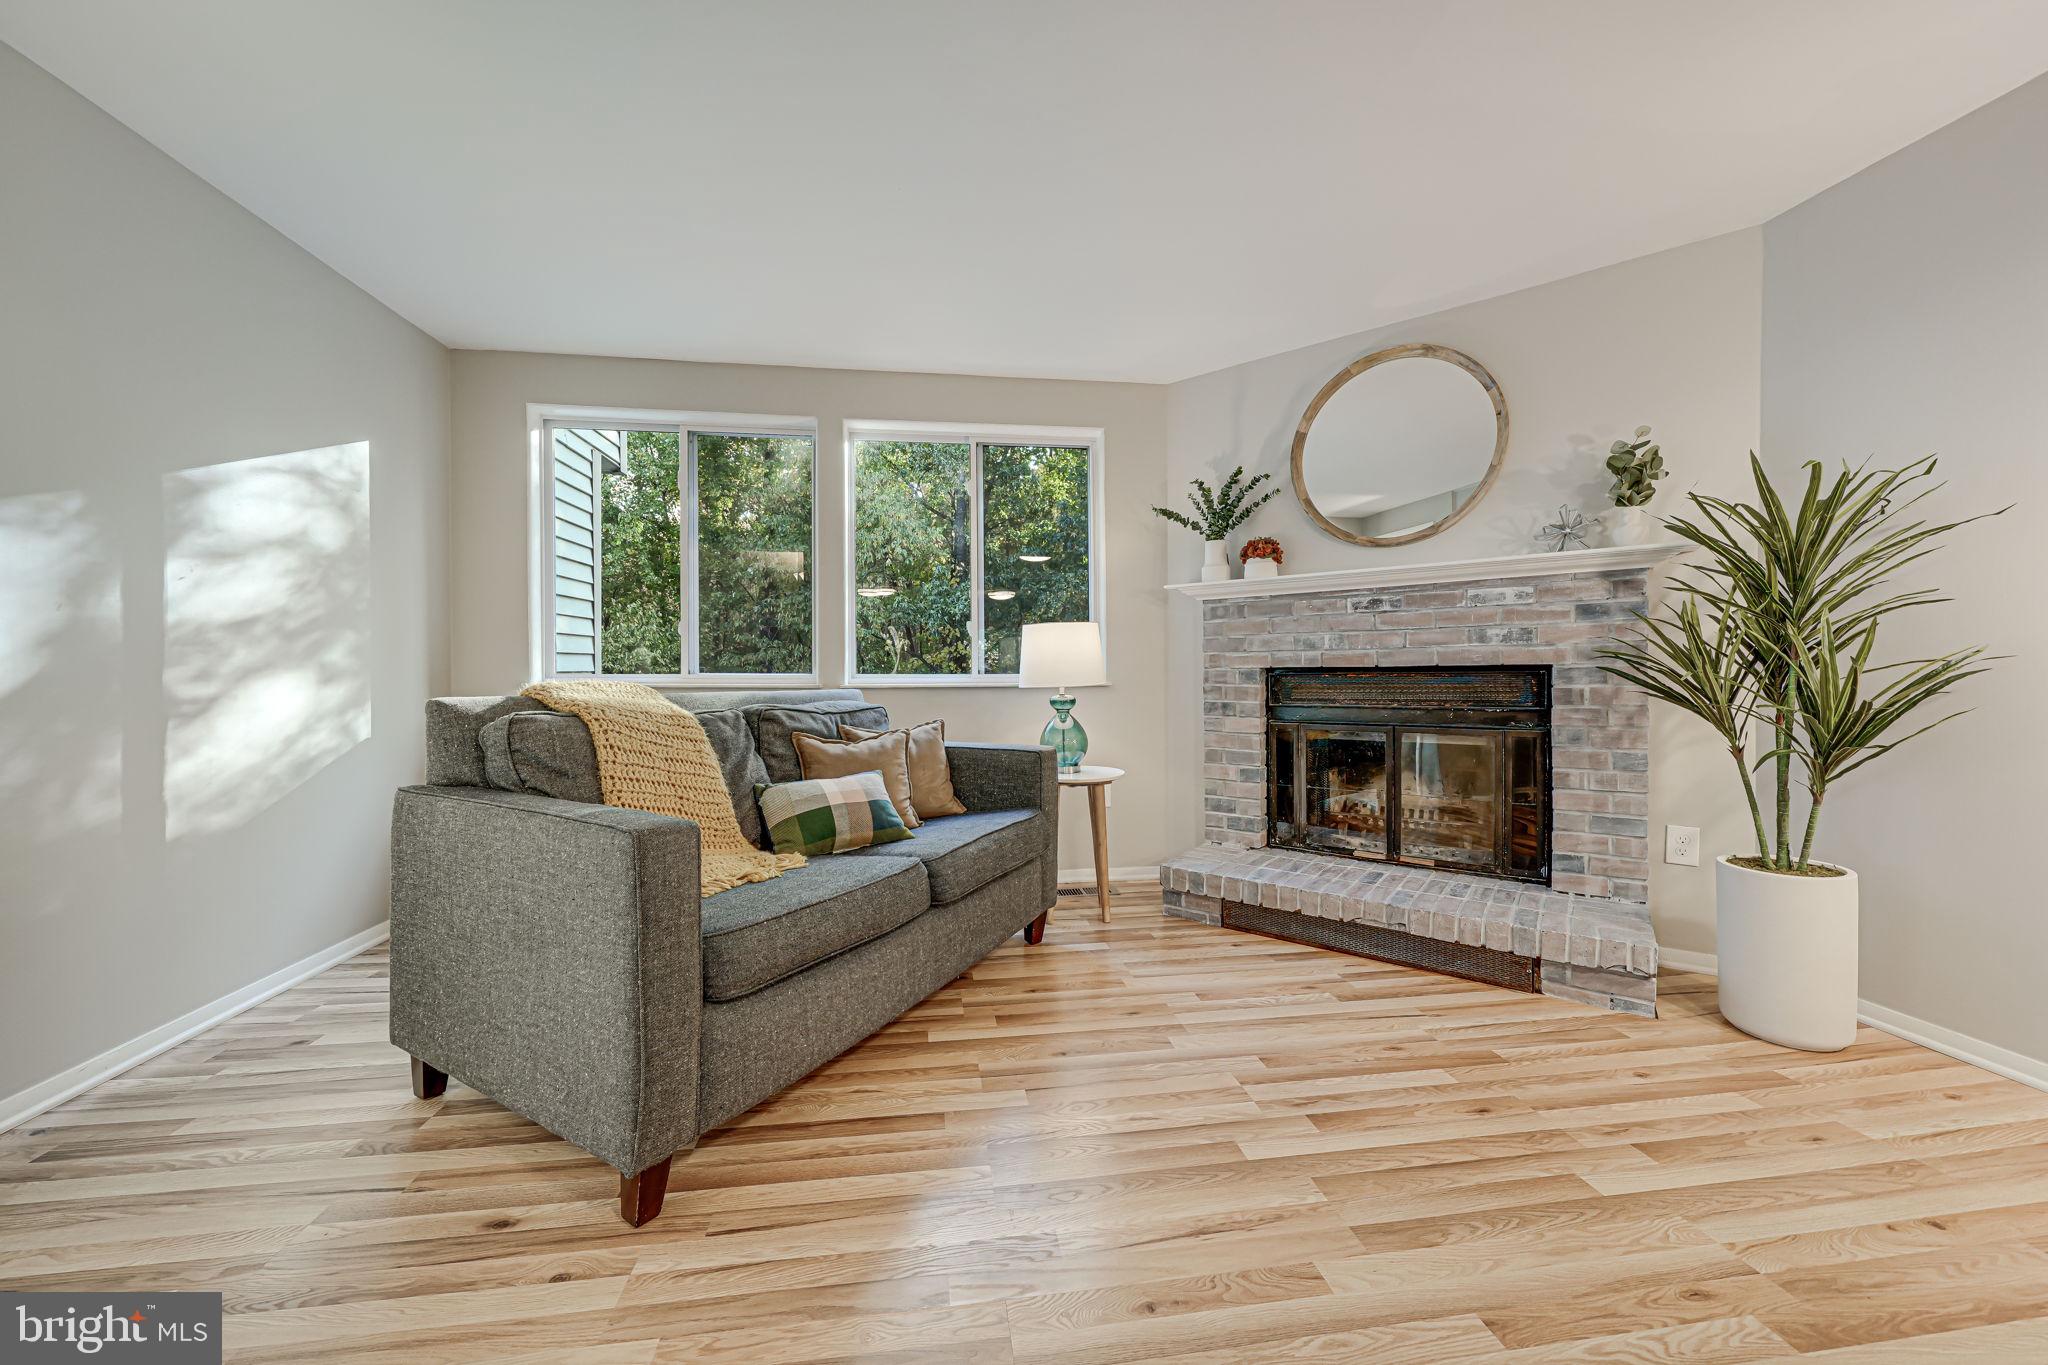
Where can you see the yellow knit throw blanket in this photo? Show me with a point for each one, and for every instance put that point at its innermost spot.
(652, 755)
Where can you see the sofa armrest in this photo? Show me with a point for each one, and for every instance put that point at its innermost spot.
(1004, 776)
(1013, 777)
(549, 954)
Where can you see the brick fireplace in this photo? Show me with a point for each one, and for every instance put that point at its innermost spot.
(1582, 920)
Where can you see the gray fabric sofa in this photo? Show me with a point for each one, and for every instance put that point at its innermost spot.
(553, 952)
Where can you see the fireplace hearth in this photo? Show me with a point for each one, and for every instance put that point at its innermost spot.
(1431, 767)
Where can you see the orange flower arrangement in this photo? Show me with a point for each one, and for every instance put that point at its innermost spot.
(1262, 547)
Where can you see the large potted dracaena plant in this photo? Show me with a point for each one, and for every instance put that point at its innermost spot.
(1775, 633)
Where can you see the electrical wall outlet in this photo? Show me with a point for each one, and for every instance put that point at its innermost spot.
(1682, 845)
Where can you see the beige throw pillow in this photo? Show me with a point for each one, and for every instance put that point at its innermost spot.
(931, 777)
(887, 753)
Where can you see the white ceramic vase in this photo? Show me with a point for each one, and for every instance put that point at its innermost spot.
(1628, 525)
(1787, 949)
(1215, 562)
(1261, 568)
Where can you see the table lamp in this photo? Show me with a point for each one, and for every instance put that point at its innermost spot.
(1063, 654)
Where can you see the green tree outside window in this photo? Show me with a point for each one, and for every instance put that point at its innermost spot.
(914, 552)
(753, 555)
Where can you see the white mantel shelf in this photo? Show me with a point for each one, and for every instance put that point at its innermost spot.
(1604, 560)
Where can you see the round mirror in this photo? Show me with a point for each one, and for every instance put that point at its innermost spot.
(1400, 445)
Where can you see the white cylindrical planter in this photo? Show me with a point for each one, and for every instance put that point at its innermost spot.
(1628, 525)
(1787, 949)
(1215, 561)
(1261, 568)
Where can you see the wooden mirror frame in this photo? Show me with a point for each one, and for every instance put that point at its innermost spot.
(1423, 350)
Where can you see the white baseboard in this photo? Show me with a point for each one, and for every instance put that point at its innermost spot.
(2014, 1066)
(1680, 960)
(24, 1105)
(1116, 874)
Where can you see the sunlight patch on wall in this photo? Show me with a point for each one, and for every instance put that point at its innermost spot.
(266, 629)
(60, 633)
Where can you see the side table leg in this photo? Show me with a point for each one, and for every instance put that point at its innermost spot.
(1098, 824)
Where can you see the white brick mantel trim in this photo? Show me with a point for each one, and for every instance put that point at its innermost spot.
(1604, 560)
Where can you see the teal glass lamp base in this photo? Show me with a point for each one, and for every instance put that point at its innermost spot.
(1064, 735)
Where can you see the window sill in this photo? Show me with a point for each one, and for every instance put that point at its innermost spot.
(942, 680)
(1008, 680)
(700, 682)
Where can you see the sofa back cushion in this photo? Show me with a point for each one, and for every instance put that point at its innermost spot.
(739, 763)
(542, 752)
(550, 754)
(455, 756)
(773, 725)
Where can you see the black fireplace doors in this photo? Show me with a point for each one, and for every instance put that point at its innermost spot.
(1438, 767)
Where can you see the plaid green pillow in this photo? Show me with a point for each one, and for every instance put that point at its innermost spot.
(829, 814)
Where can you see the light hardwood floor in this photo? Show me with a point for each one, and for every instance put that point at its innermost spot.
(1141, 1140)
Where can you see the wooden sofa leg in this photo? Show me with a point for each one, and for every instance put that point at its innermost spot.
(427, 1082)
(640, 1195)
(1035, 931)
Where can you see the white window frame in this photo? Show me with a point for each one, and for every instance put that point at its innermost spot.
(541, 421)
(974, 436)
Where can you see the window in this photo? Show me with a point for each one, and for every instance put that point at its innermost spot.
(680, 549)
(959, 539)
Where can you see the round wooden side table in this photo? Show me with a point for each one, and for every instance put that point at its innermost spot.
(1096, 781)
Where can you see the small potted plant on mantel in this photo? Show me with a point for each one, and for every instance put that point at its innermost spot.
(1778, 628)
(1262, 557)
(1218, 512)
(1636, 466)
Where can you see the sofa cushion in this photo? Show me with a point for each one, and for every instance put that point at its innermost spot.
(544, 753)
(826, 815)
(963, 853)
(886, 754)
(547, 753)
(754, 935)
(739, 763)
(931, 776)
(772, 725)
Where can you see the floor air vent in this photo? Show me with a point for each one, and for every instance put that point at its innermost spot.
(1489, 965)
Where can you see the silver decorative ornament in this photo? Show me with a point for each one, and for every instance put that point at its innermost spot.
(1568, 530)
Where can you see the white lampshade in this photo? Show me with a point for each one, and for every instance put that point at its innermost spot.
(1062, 654)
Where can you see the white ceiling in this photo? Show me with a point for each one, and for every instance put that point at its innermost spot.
(1107, 189)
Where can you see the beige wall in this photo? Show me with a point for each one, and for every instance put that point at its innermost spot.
(1125, 723)
(223, 506)
(1906, 314)
(1670, 339)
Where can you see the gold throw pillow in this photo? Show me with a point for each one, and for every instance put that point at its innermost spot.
(931, 777)
(887, 753)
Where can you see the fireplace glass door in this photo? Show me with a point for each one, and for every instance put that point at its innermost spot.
(1440, 767)
(1450, 797)
(1346, 790)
